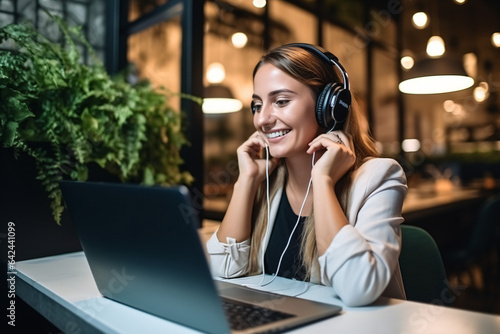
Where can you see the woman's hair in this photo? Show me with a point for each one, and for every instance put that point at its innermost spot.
(314, 72)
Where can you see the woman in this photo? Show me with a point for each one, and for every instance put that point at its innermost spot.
(332, 200)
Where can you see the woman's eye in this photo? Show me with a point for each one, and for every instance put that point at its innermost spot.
(281, 103)
(256, 107)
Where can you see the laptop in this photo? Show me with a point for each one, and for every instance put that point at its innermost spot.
(143, 249)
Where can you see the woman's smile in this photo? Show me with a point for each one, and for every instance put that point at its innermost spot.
(276, 134)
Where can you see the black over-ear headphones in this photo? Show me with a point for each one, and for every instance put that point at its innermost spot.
(334, 101)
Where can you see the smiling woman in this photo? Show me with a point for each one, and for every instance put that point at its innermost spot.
(339, 222)
(283, 115)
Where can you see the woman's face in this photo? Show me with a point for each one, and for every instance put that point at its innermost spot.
(285, 113)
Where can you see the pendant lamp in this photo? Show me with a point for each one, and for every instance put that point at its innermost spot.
(220, 100)
(435, 76)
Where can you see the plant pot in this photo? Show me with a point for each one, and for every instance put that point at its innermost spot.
(24, 202)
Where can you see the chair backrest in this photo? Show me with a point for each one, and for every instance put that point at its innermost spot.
(483, 238)
(422, 269)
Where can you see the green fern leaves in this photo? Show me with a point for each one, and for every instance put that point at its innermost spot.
(65, 115)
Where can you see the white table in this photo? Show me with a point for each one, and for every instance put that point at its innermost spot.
(62, 289)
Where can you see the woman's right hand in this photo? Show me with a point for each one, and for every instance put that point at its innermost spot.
(251, 164)
(237, 223)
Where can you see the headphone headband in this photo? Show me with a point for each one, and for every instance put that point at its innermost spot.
(332, 106)
(327, 56)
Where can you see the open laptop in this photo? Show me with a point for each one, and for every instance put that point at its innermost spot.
(144, 251)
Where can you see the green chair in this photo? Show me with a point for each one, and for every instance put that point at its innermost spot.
(424, 276)
(479, 250)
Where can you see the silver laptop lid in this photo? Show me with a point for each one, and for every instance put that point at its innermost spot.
(129, 233)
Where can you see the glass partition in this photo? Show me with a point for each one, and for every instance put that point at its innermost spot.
(234, 59)
(385, 103)
(352, 55)
(155, 54)
(290, 23)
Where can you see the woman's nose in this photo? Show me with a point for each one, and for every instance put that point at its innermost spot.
(265, 116)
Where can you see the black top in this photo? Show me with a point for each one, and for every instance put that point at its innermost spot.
(291, 265)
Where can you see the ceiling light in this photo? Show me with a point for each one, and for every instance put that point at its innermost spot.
(239, 40)
(495, 39)
(481, 92)
(435, 46)
(435, 76)
(217, 105)
(259, 3)
(410, 145)
(407, 62)
(220, 100)
(420, 20)
(216, 73)
(460, 2)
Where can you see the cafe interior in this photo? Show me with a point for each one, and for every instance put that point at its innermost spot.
(425, 73)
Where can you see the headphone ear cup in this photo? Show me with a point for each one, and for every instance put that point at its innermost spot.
(332, 106)
(341, 108)
(323, 109)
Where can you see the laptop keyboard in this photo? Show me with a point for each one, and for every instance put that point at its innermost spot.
(242, 315)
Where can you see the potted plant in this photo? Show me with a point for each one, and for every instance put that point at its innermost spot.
(68, 116)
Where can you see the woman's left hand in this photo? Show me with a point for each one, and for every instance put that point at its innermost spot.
(334, 156)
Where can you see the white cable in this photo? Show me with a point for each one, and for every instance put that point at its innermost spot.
(261, 284)
(290, 237)
(268, 215)
(293, 230)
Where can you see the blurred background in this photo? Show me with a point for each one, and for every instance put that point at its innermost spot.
(445, 133)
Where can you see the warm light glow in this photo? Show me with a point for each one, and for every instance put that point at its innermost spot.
(495, 39)
(239, 40)
(436, 84)
(458, 110)
(410, 145)
(460, 2)
(484, 85)
(420, 20)
(407, 62)
(449, 105)
(221, 105)
(435, 46)
(470, 64)
(259, 3)
(216, 73)
(481, 92)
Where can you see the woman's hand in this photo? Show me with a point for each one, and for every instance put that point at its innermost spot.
(334, 156)
(250, 162)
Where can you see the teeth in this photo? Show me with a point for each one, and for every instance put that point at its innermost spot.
(277, 134)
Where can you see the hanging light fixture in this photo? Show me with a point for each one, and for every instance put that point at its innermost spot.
(435, 76)
(259, 3)
(420, 20)
(407, 62)
(239, 40)
(495, 39)
(220, 100)
(435, 46)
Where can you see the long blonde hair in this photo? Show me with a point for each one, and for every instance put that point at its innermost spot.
(307, 68)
